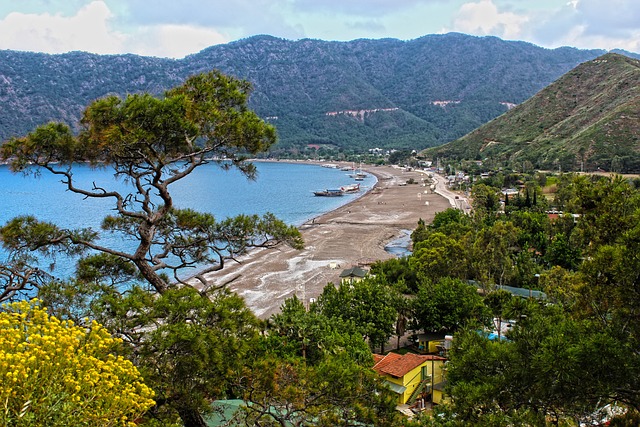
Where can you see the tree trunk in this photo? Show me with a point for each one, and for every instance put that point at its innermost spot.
(191, 417)
(151, 276)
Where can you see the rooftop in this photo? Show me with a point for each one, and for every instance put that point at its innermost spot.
(398, 365)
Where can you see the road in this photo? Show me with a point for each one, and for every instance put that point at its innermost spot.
(456, 200)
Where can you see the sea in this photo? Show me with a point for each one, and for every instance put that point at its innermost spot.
(282, 188)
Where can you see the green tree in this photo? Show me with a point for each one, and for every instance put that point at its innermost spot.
(498, 303)
(189, 348)
(485, 199)
(439, 256)
(491, 253)
(452, 222)
(560, 252)
(150, 144)
(446, 306)
(334, 392)
(20, 278)
(420, 233)
(398, 272)
(365, 303)
(533, 228)
(298, 362)
(296, 332)
(553, 369)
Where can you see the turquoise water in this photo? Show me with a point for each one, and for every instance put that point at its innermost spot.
(283, 189)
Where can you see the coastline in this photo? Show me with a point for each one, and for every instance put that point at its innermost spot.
(354, 234)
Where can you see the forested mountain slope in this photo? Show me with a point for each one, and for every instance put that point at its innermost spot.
(357, 94)
(588, 119)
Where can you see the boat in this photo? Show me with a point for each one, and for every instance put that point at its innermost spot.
(351, 188)
(358, 175)
(329, 192)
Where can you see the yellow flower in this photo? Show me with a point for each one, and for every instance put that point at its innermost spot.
(65, 371)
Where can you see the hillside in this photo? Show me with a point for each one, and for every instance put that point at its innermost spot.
(588, 119)
(358, 94)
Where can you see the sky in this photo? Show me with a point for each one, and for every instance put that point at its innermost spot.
(176, 28)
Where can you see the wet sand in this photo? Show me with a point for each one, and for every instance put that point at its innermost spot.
(352, 235)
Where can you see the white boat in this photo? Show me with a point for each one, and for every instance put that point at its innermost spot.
(358, 175)
(351, 188)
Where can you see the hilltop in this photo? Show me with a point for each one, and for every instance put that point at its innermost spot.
(586, 120)
(350, 95)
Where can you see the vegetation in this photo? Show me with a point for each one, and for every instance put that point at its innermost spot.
(55, 373)
(194, 342)
(583, 121)
(564, 359)
(174, 329)
(298, 82)
(152, 143)
(302, 357)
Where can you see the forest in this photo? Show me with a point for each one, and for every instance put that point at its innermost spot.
(298, 82)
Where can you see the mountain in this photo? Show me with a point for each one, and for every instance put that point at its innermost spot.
(588, 119)
(353, 95)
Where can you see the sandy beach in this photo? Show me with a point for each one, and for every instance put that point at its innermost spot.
(354, 234)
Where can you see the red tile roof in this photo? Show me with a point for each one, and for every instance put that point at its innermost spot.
(377, 358)
(398, 366)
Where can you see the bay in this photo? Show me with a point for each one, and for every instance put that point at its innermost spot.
(284, 189)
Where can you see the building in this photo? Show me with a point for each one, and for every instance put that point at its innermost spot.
(410, 375)
(353, 274)
(432, 343)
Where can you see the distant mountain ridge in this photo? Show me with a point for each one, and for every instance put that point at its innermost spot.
(589, 119)
(400, 86)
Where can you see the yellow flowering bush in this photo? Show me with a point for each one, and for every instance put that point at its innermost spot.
(55, 373)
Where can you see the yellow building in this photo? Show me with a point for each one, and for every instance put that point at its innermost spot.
(411, 375)
(431, 343)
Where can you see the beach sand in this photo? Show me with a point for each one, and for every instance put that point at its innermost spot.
(352, 235)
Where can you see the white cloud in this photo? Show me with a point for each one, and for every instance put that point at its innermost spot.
(91, 29)
(580, 37)
(168, 28)
(483, 18)
(87, 30)
(599, 24)
(175, 41)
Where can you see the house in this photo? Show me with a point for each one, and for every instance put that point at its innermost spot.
(410, 375)
(353, 274)
(430, 343)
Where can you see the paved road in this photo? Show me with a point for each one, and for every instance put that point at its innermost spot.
(456, 200)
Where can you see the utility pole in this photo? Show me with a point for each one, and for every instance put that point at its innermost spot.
(432, 380)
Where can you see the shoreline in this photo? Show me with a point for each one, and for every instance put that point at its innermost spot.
(354, 234)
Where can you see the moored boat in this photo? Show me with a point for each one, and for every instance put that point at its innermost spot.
(329, 192)
(358, 174)
(351, 188)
